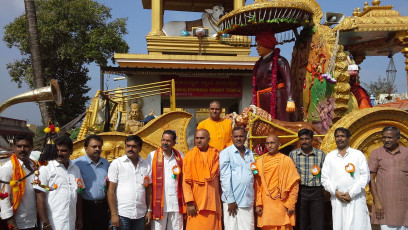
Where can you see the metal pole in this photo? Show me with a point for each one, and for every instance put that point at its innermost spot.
(173, 96)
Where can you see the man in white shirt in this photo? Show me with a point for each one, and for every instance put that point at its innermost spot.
(167, 164)
(58, 203)
(23, 214)
(345, 175)
(130, 189)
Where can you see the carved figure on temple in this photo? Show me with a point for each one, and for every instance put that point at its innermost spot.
(209, 19)
(133, 123)
(363, 99)
(271, 82)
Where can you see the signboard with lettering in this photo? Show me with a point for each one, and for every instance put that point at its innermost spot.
(206, 87)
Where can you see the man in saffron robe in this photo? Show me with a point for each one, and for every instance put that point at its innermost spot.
(220, 129)
(201, 184)
(168, 200)
(271, 82)
(276, 188)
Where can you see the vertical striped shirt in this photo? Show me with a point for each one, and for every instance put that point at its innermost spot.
(305, 162)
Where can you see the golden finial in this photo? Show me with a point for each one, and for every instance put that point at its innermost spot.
(355, 12)
(365, 6)
(376, 2)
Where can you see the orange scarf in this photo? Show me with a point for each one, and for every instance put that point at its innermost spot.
(158, 183)
(202, 170)
(19, 188)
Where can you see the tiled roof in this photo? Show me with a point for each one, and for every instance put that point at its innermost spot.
(398, 104)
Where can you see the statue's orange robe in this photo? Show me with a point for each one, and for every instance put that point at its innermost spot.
(201, 184)
(220, 132)
(276, 189)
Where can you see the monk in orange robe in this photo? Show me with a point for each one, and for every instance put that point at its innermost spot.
(201, 184)
(220, 129)
(276, 188)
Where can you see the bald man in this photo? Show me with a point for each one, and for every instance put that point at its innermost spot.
(201, 184)
(220, 129)
(276, 188)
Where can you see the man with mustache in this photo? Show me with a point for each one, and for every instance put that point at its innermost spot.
(168, 200)
(130, 188)
(345, 175)
(237, 183)
(389, 182)
(94, 170)
(201, 184)
(19, 207)
(309, 162)
(219, 128)
(59, 202)
(276, 188)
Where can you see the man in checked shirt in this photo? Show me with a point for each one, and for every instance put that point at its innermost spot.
(309, 162)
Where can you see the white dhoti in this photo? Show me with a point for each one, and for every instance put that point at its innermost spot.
(170, 221)
(351, 216)
(244, 220)
(389, 227)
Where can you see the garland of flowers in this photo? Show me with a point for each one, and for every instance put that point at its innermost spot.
(254, 88)
(38, 183)
(253, 21)
(16, 185)
(274, 81)
(274, 76)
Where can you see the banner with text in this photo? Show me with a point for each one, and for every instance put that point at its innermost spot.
(206, 87)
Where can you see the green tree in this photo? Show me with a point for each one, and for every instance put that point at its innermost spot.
(381, 86)
(73, 33)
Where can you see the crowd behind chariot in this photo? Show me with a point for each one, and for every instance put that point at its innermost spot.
(218, 184)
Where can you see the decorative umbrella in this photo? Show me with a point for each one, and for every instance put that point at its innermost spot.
(276, 16)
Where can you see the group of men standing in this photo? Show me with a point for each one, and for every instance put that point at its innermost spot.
(217, 183)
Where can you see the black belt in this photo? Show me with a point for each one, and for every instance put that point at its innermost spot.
(307, 186)
(95, 202)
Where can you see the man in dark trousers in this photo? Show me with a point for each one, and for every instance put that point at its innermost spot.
(309, 162)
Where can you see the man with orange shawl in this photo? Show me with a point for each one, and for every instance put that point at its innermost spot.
(201, 184)
(18, 204)
(220, 129)
(271, 82)
(276, 188)
(168, 200)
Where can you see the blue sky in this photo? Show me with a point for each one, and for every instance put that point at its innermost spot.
(139, 25)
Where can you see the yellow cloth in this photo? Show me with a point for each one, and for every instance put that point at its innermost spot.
(201, 184)
(220, 132)
(276, 189)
